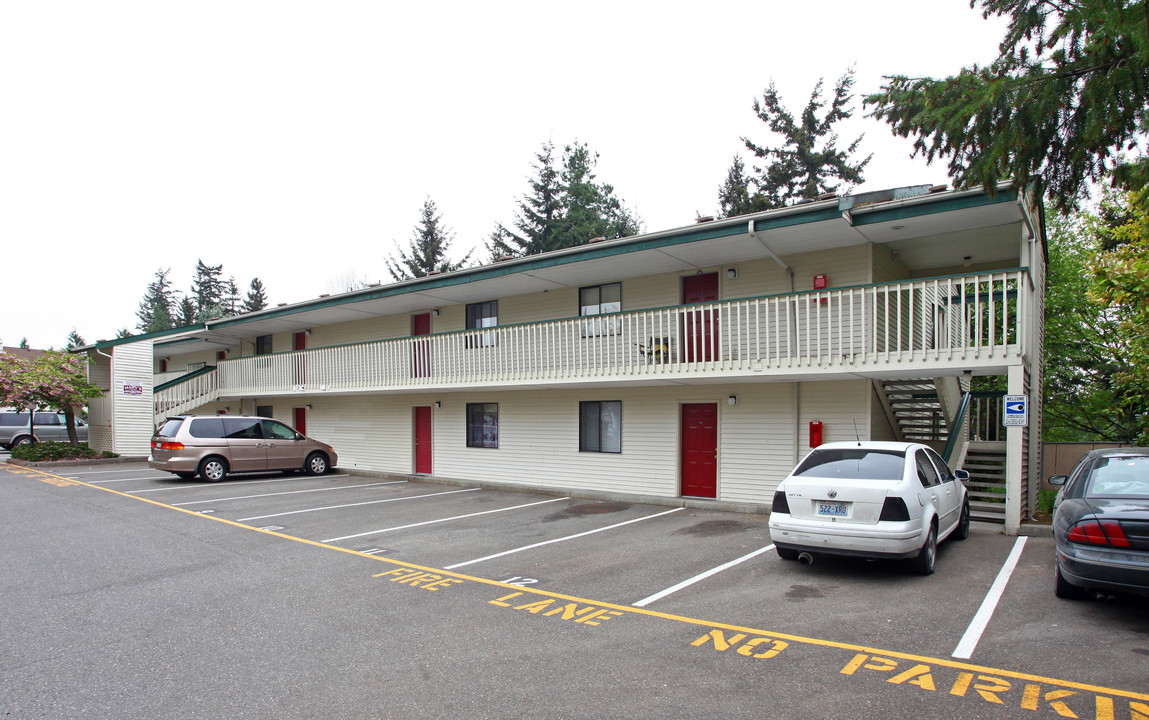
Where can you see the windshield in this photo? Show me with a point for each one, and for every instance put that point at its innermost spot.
(1119, 476)
(853, 464)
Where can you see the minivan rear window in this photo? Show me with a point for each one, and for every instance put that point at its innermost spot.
(206, 428)
(853, 464)
(170, 427)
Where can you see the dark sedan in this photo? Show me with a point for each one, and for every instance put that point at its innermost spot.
(1101, 524)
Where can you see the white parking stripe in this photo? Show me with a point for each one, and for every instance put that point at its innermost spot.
(289, 492)
(562, 539)
(965, 648)
(213, 486)
(701, 576)
(432, 522)
(369, 502)
(131, 479)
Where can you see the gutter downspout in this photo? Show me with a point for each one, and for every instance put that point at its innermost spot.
(112, 404)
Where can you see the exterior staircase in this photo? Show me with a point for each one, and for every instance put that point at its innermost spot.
(985, 463)
(185, 393)
(915, 410)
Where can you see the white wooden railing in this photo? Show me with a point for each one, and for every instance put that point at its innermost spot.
(930, 322)
(197, 390)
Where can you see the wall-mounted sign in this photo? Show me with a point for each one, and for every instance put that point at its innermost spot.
(1015, 411)
(133, 388)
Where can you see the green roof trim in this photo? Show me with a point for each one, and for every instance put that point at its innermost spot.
(105, 344)
(902, 212)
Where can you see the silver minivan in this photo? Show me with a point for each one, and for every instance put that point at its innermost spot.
(212, 446)
(50, 427)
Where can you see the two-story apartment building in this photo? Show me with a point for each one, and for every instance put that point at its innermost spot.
(696, 364)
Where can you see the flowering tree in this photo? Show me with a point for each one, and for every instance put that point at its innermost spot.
(55, 380)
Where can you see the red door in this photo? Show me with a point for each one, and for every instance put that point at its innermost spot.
(700, 450)
(699, 327)
(421, 349)
(423, 440)
(300, 420)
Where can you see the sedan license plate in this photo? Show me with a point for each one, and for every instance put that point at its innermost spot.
(832, 509)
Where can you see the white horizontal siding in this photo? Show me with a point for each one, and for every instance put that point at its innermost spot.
(132, 414)
(538, 435)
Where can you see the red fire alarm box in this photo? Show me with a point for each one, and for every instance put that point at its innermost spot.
(815, 433)
(819, 282)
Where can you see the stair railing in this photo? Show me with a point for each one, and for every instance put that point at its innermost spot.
(958, 430)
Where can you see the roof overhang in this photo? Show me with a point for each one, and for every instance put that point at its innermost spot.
(922, 226)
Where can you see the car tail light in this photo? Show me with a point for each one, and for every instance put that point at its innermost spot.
(894, 510)
(780, 505)
(1099, 532)
(158, 445)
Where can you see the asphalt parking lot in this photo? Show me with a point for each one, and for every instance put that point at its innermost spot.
(597, 605)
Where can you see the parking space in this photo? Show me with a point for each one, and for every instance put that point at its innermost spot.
(690, 563)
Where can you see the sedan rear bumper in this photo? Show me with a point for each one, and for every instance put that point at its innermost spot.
(883, 540)
(1104, 570)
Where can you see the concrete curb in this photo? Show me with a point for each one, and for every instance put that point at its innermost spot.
(74, 463)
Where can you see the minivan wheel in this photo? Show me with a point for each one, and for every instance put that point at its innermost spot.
(213, 469)
(316, 464)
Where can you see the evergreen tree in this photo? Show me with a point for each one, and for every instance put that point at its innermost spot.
(565, 207)
(185, 312)
(229, 303)
(736, 197)
(427, 252)
(1066, 97)
(208, 290)
(74, 340)
(123, 333)
(256, 297)
(590, 209)
(24, 344)
(809, 160)
(155, 312)
(539, 212)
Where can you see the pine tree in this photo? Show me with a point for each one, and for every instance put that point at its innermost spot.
(539, 212)
(565, 207)
(256, 297)
(185, 312)
(229, 303)
(24, 344)
(736, 197)
(155, 312)
(74, 340)
(427, 252)
(1066, 98)
(809, 161)
(208, 290)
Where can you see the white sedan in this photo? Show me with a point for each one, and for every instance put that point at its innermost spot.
(870, 499)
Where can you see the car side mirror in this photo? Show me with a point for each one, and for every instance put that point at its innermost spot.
(300, 436)
(1058, 479)
(961, 475)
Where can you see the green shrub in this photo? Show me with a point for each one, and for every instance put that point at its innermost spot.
(1045, 500)
(47, 451)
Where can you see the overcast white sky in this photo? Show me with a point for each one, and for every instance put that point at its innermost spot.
(296, 141)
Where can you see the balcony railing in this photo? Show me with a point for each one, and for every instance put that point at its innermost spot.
(952, 319)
